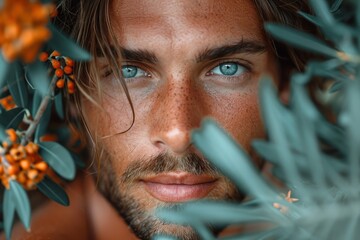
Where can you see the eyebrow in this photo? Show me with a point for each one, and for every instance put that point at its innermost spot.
(138, 55)
(244, 46)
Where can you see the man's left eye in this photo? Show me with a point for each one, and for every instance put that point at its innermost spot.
(229, 69)
(130, 71)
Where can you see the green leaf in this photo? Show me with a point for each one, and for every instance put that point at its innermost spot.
(8, 213)
(39, 78)
(12, 118)
(3, 135)
(35, 102)
(22, 203)
(59, 106)
(58, 158)
(18, 86)
(53, 191)
(44, 122)
(66, 46)
(79, 163)
(164, 237)
(300, 39)
(221, 150)
(322, 10)
(4, 70)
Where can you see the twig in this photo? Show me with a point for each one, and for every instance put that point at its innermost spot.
(40, 112)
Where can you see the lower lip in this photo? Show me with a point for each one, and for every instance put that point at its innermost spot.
(178, 192)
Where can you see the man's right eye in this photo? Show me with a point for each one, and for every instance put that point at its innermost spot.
(130, 71)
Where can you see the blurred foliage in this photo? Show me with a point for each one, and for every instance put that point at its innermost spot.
(36, 75)
(316, 157)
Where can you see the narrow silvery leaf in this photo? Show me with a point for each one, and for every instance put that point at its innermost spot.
(8, 213)
(44, 122)
(22, 203)
(12, 118)
(54, 191)
(18, 86)
(39, 77)
(59, 159)
(300, 39)
(164, 237)
(59, 106)
(322, 11)
(66, 46)
(219, 148)
(4, 69)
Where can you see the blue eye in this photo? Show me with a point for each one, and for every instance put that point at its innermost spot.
(229, 69)
(129, 71)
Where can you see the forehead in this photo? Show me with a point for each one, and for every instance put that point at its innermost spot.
(225, 20)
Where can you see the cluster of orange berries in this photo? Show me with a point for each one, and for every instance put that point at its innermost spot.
(21, 163)
(23, 28)
(63, 67)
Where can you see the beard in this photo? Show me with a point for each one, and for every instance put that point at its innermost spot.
(138, 212)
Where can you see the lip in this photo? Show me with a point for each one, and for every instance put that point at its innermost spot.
(179, 186)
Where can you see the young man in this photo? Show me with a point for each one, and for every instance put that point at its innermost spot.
(180, 61)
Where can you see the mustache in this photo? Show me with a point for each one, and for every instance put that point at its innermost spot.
(191, 163)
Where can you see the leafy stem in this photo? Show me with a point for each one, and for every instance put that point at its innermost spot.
(40, 112)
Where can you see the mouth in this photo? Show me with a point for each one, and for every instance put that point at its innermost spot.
(179, 186)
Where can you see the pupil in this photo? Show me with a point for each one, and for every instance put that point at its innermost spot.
(129, 72)
(228, 68)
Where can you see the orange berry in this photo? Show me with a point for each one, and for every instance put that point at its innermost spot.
(10, 52)
(32, 174)
(42, 166)
(5, 182)
(27, 38)
(25, 164)
(69, 62)
(18, 153)
(71, 86)
(43, 56)
(55, 63)
(42, 33)
(28, 55)
(55, 54)
(1, 169)
(12, 135)
(21, 177)
(60, 83)
(12, 31)
(9, 158)
(5, 144)
(52, 10)
(13, 169)
(68, 69)
(32, 148)
(59, 72)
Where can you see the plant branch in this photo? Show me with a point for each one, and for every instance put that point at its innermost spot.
(40, 112)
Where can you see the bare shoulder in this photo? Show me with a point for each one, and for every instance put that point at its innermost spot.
(53, 221)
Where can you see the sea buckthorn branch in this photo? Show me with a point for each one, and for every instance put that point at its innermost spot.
(40, 112)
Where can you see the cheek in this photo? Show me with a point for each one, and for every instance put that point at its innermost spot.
(239, 114)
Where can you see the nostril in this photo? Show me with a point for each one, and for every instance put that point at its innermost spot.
(174, 140)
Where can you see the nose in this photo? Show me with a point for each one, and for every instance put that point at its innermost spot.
(175, 113)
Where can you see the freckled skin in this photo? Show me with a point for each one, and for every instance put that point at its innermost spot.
(179, 94)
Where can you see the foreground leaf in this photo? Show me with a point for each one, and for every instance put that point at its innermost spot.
(39, 77)
(18, 86)
(8, 213)
(12, 118)
(22, 203)
(66, 46)
(54, 191)
(300, 39)
(58, 158)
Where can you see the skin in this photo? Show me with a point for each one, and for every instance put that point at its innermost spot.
(170, 99)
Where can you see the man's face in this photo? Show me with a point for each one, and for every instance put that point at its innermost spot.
(183, 60)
